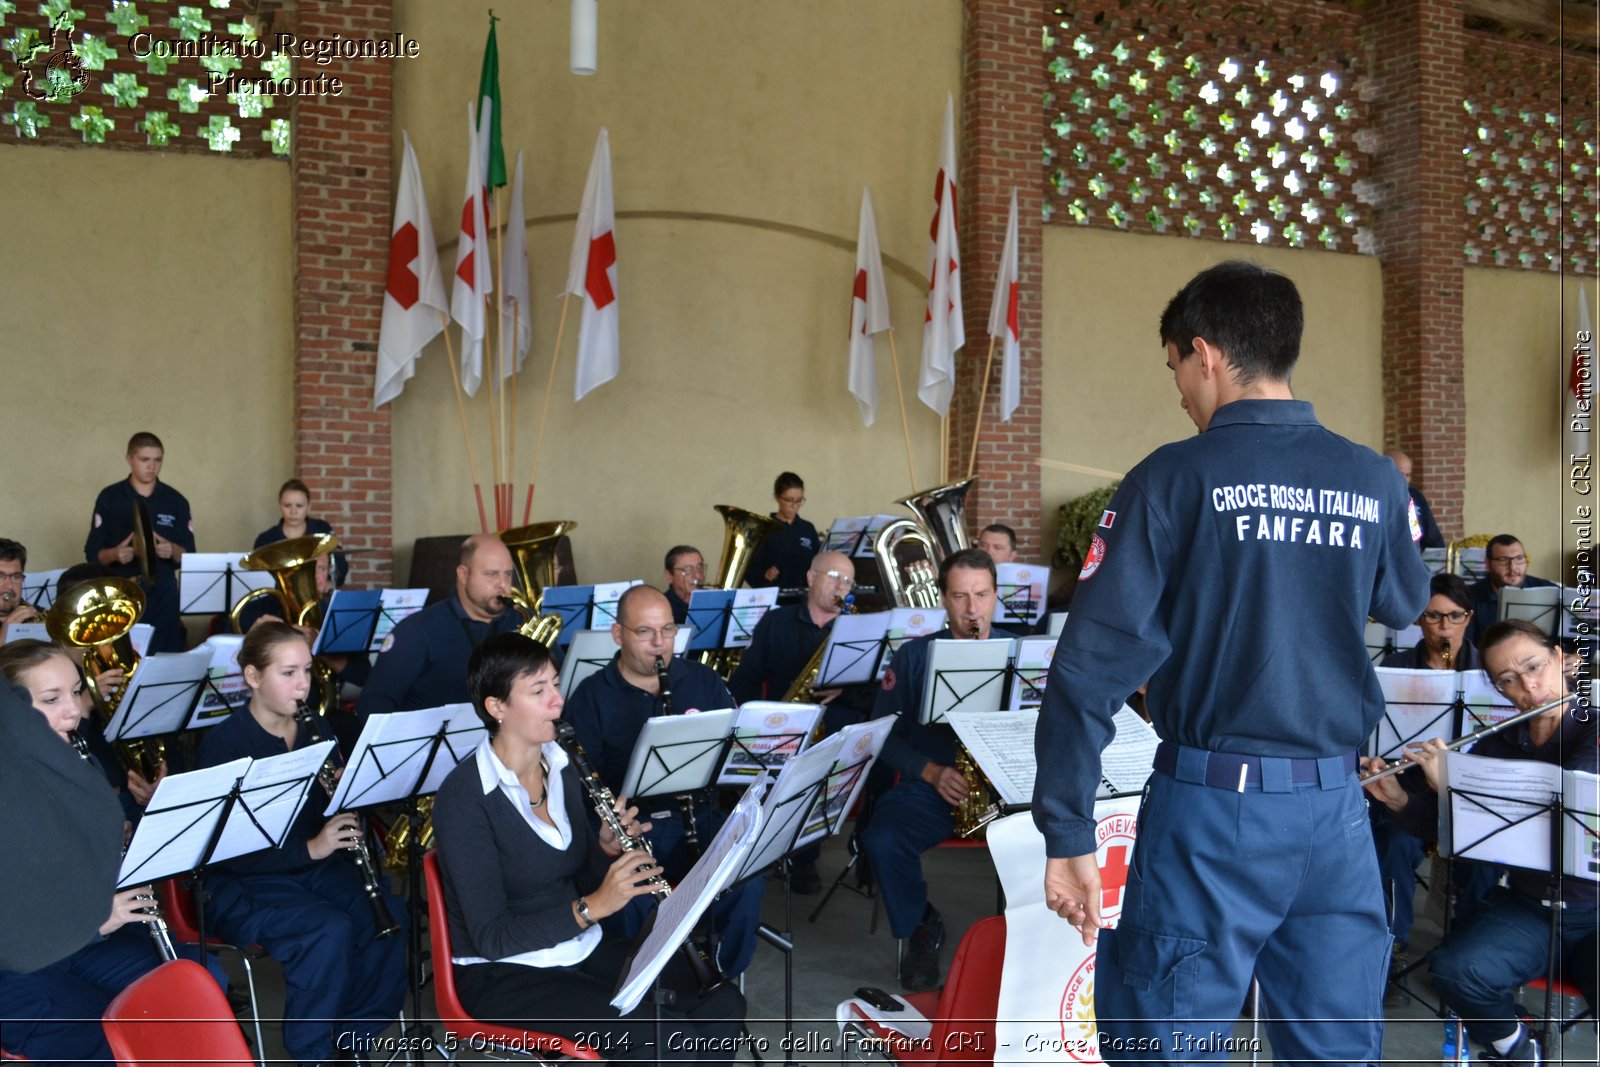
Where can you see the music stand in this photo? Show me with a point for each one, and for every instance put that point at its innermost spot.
(677, 754)
(854, 648)
(605, 598)
(588, 654)
(574, 603)
(767, 734)
(348, 623)
(160, 695)
(1417, 704)
(709, 610)
(1021, 592)
(1541, 606)
(964, 675)
(39, 588)
(1030, 670)
(203, 587)
(27, 631)
(393, 606)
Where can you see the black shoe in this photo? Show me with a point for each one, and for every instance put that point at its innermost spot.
(920, 970)
(1525, 1052)
(804, 879)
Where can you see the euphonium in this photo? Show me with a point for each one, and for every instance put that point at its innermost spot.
(909, 551)
(742, 533)
(980, 806)
(543, 627)
(98, 616)
(293, 564)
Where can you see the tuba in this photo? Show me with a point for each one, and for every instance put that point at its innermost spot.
(909, 551)
(293, 564)
(534, 552)
(742, 533)
(541, 626)
(97, 616)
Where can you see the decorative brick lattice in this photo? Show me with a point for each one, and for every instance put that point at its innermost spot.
(1224, 120)
(1529, 147)
(103, 73)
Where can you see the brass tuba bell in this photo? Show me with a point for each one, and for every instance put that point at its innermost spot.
(293, 564)
(909, 551)
(742, 533)
(538, 625)
(534, 552)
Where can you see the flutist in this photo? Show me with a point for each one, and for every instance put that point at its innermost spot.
(304, 902)
(528, 885)
(1506, 941)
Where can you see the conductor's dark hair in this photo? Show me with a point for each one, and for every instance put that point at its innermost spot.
(1452, 586)
(1003, 530)
(13, 550)
(297, 485)
(1500, 541)
(495, 668)
(677, 552)
(144, 439)
(1251, 313)
(786, 481)
(975, 559)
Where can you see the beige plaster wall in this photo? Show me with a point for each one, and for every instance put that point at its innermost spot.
(144, 291)
(741, 138)
(1108, 395)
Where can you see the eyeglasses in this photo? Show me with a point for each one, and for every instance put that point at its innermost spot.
(1525, 674)
(650, 633)
(1510, 561)
(838, 578)
(698, 568)
(12, 576)
(1453, 617)
(792, 501)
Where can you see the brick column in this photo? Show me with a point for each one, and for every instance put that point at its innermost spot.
(341, 208)
(1417, 49)
(1002, 127)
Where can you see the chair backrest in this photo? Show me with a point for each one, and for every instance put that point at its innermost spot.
(175, 1014)
(971, 999)
(454, 1017)
(177, 908)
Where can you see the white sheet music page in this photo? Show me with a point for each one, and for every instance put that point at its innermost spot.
(1484, 703)
(225, 687)
(1494, 809)
(27, 631)
(1001, 743)
(767, 734)
(275, 790)
(749, 605)
(160, 696)
(1581, 835)
(174, 824)
(851, 657)
(606, 595)
(676, 915)
(964, 675)
(858, 746)
(394, 605)
(1417, 707)
(1127, 762)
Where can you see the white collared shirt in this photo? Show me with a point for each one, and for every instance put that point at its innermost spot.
(492, 775)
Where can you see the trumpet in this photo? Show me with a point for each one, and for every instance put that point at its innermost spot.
(1396, 766)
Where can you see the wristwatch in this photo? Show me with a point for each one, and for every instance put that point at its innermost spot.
(583, 913)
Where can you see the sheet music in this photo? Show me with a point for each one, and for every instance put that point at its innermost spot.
(1542, 607)
(708, 614)
(394, 605)
(1022, 589)
(225, 689)
(1470, 565)
(676, 915)
(588, 653)
(853, 646)
(1495, 809)
(1129, 760)
(677, 753)
(39, 587)
(27, 631)
(964, 675)
(140, 637)
(856, 748)
(1001, 743)
(845, 534)
(1380, 641)
(160, 696)
(791, 801)
(749, 605)
(573, 603)
(386, 762)
(905, 624)
(1058, 622)
(203, 582)
(1418, 705)
(1581, 835)
(606, 595)
(766, 735)
(1031, 670)
(1484, 704)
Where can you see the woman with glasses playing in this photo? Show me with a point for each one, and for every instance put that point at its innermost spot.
(1444, 623)
(1507, 940)
(785, 554)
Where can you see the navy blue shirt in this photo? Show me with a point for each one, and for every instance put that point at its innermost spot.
(911, 746)
(1235, 572)
(424, 659)
(240, 735)
(1431, 536)
(783, 642)
(113, 522)
(791, 546)
(273, 534)
(1486, 603)
(607, 711)
(680, 608)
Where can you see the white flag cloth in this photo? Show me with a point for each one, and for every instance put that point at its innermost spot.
(943, 330)
(1580, 382)
(869, 313)
(413, 297)
(473, 280)
(516, 320)
(1003, 320)
(592, 274)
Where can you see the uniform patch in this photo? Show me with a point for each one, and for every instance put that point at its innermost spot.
(1096, 556)
(97, 520)
(388, 643)
(1108, 518)
(1416, 523)
(888, 680)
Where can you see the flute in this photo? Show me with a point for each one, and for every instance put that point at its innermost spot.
(1477, 735)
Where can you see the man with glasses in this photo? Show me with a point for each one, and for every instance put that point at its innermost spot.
(13, 568)
(685, 569)
(607, 711)
(1505, 564)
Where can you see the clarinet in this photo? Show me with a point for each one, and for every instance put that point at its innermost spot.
(605, 806)
(691, 834)
(157, 926)
(371, 883)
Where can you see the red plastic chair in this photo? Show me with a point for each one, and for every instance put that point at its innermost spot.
(175, 1014)
(18, 1057)
(457, 1023)
(183, 921)
(963, 1012)
(1554, 1025)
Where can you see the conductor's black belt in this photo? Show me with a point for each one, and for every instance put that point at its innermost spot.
(1235, 770)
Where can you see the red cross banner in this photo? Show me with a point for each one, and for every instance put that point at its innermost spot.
(592, 274)
(413, 297)
(474, 279)
(943, 329)
(869, 313)
(1003, 324)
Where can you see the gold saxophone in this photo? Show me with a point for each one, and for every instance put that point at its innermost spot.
(980, 807)
(799, 691)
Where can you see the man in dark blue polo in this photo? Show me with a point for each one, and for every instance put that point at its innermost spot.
(918, 813)
(607, 711)
(1431, 536)
(1505, 564)
(423, 663)
(685, 570)
(1235, 571)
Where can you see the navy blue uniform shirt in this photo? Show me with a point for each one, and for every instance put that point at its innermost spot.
(784, 640)
(680, 608)
(607, 711)
(1235, 572)
(910, 745)
(240, 735)
(1431, 536)
(791, 546)
(424, 660)
(1486, 603)
(1416, 659)
(113, 522)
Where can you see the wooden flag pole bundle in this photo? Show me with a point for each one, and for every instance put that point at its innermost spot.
(466, 431)
(983, 399)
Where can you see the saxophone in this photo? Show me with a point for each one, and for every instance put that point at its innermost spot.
(371, 883)
(799, 691)
(981, 806)
(1449, 660)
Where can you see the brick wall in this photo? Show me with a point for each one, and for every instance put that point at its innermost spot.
(342, 193)
(1002, 120)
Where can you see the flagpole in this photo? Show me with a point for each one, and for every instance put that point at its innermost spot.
(983, 398)
(461, 408)
(905, 427)
(544, 412)
(494, 427)
(502, 493)
(511, 464)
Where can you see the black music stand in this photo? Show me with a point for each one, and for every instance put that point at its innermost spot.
(677, 754)
(1438, 717)
(972, 680)
(574, 603)
(348, 623)
(160, 697)
(710, 611)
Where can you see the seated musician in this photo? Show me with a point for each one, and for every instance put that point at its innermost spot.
(609, 709)
(54, 1013)
(294, 505)
(531, 893)
(1000, 541)
(13, 570)
(305, 903)
(111, 536)
(784, 554)
(1507, 941)
(1505, 566)
(685, 570)
(917, 813)
(423, 662)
